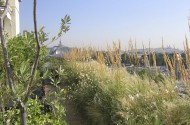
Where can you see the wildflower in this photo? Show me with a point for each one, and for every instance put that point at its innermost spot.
(137, 95)
(131, 97)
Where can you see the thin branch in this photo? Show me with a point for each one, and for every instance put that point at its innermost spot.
(35, 26)
(34, 68)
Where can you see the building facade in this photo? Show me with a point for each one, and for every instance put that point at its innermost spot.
(12, 19)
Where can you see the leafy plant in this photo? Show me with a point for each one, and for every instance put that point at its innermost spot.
(22, 60)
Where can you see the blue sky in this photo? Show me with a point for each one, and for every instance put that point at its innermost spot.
(100, 22)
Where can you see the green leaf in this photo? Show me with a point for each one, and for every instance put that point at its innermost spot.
(64, 25)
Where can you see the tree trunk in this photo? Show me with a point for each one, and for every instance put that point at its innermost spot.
(6, 58)
(23, 114)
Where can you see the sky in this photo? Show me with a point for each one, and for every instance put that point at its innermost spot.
(99, 23)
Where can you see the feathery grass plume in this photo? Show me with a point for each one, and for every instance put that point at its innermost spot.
(164, 54)
(154, 62)
(168, 62)
(99, 57)
(89, 53)
(170, 65)
(109, 60)
(182, 69)
(177, 65)
(149, 52)
(185, 75)
(79, 54)
(130, 51)
(146, 60)
(83, 54)
(136, 55)
(186, 51)
(114, 55)
(187, 55)
(177, 58)
(73, 54)
(76, 54)
(173, 60)
(110, 56)
(118, 54)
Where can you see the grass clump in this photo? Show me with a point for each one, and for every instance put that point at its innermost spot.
(110, 96)
(177, 112)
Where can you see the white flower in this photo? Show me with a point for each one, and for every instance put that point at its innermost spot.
(137, 95)
(131, 97)
(167, 91)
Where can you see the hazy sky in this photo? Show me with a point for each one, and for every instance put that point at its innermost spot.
(100, 22)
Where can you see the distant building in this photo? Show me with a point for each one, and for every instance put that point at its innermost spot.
(12, 20)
